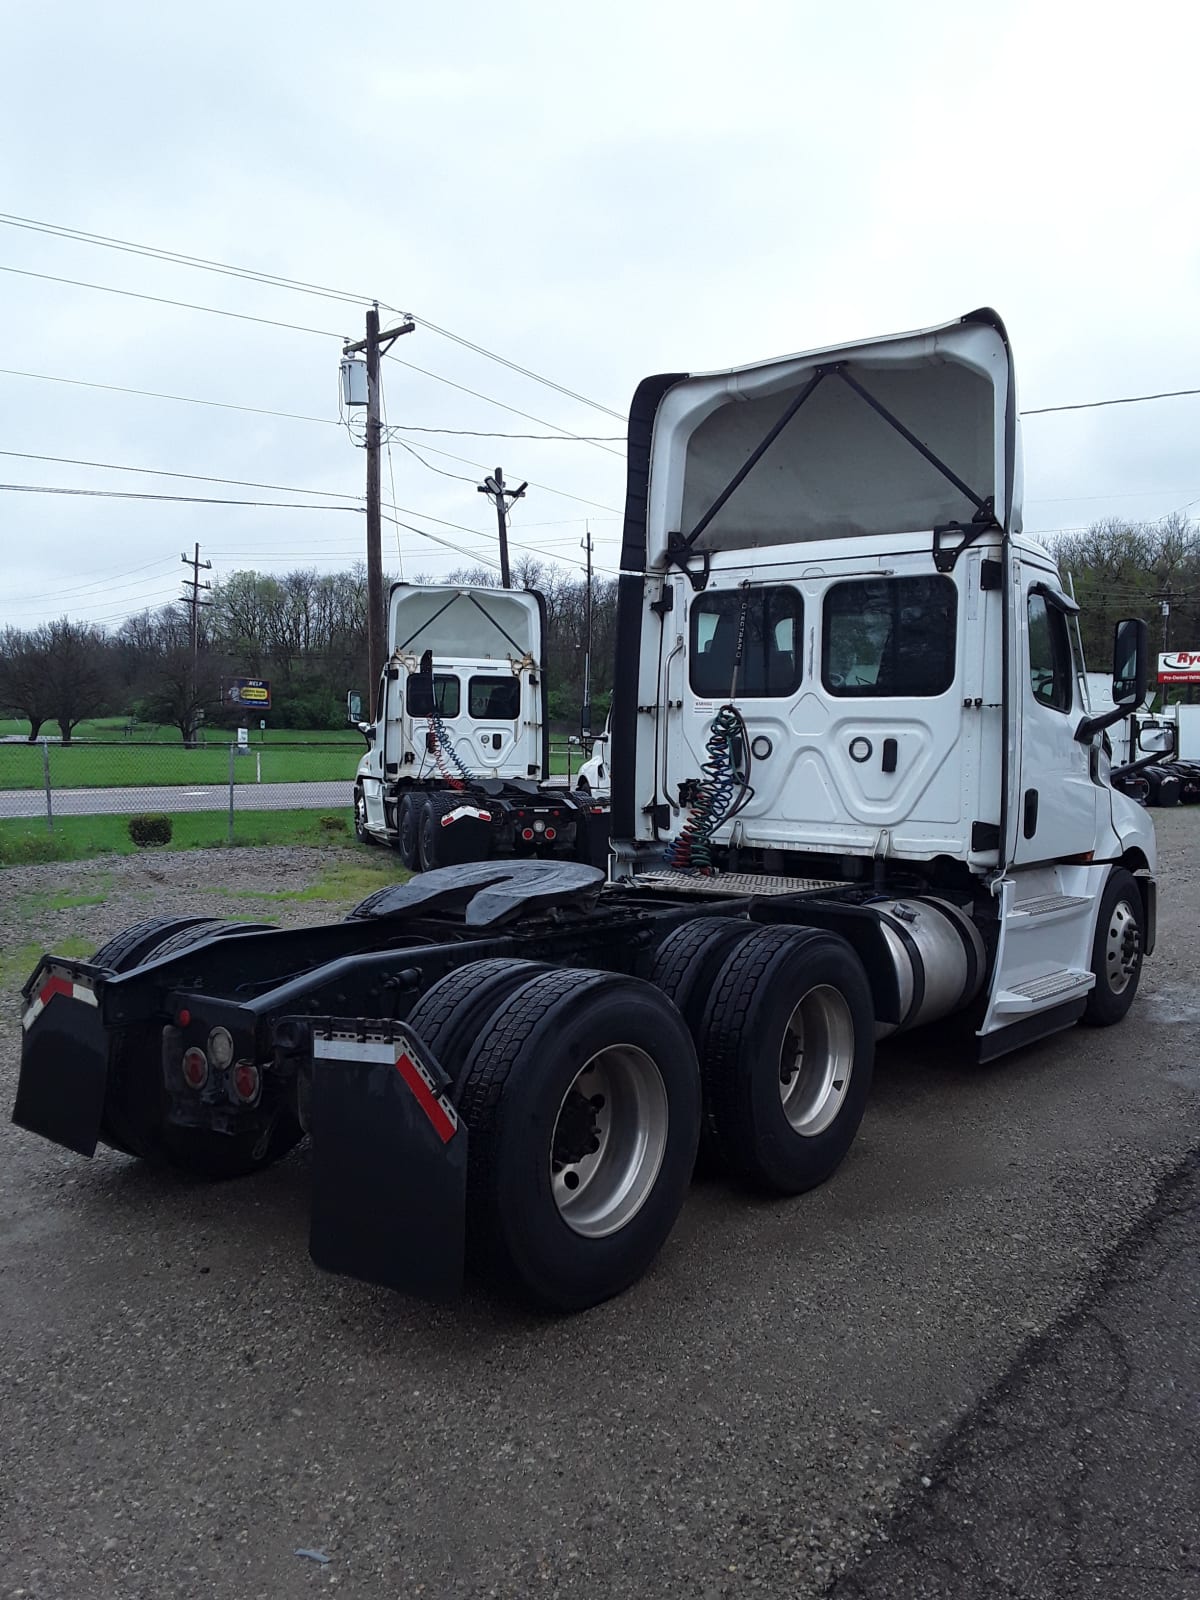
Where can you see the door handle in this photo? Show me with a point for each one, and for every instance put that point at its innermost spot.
(891, 750)
(1031, 811)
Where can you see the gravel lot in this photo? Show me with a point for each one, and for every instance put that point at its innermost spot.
(187, 1401)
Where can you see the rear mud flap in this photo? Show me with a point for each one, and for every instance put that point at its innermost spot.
(64, 1059)
(389, 1160)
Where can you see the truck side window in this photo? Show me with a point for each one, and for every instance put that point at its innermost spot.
(889, 636)
(771, 658)
(446, 694)
(498, 698)
(1049, 654)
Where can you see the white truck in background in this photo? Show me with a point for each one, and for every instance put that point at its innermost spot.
(458, 753)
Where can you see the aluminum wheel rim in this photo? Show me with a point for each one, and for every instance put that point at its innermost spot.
(598, 1190)
(1122, 947)
(816, 1060)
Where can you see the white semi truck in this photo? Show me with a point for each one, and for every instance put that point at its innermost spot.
(458, 752)
(855, 790)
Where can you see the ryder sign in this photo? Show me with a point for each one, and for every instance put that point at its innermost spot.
(1179, 666)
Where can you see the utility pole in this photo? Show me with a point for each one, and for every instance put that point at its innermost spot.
(374, 346)
(585, 728)
(193, 583)
(501, 497)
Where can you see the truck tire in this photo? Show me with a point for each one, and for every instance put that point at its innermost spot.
(125, 1124)
(689, 958)
(452, 846)
(685, 965)
(1116, 950)
(572, 1190)
(406, 832)
(449, 1016)
(360, 818)
(787, 1047)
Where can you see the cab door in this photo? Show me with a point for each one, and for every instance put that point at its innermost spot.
(1055, 795)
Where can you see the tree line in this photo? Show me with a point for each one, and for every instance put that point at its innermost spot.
(304, 631)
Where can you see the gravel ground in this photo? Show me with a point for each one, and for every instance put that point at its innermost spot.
(187, 1401)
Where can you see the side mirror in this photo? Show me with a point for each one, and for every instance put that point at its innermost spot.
(354, 708)
(1131, 677)
(1157, 738)
(1131, 663)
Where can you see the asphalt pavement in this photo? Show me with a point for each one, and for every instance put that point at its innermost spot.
(187, 1402)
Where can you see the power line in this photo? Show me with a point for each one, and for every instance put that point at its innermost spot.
(99, 583)
(154, 394)
(548, 438)
(181, 499)
(263, 411)
(475, 393)
(195, 477)
(184, 305)
(1122, 400)
(275, 280)
(179, 259)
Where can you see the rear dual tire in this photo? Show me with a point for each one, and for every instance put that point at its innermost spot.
(581, 1094)
(784, 1026)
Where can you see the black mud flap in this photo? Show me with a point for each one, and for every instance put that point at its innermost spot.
(64, 1057)
(389, 1160)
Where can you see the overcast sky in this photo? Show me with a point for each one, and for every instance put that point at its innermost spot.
(597, 192)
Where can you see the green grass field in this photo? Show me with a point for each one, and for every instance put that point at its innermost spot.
(76, 838)
(118, 728)
(136, 765)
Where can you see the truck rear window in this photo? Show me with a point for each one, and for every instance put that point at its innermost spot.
(770, 664)
(496, 698)
(889, 637)
(447, 694)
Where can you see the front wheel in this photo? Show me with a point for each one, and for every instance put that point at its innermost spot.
(1116, 950)
(360, 818)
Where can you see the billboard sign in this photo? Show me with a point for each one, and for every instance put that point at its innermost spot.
(252, 692)
(1179, 666)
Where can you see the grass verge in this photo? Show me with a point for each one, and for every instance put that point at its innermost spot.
(77, 838)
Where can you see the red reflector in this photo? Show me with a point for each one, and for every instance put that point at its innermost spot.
(195, 1068)
(245, 1081)
(184, 1017)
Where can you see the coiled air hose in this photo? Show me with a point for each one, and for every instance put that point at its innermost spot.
(449, 763)
(714, 797)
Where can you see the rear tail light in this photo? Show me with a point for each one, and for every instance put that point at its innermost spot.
(550, 833)
(527, 833)
(220, 1048)
(195, 1068)
(245, 1082)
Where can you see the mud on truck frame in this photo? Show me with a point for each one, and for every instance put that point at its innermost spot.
(855, 790)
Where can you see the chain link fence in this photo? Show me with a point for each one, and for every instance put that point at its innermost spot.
(211, 790)
(47, 782)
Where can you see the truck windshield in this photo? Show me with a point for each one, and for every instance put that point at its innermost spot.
(889, 637)
(496, 698)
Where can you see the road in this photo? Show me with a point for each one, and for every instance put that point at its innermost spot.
(188, 1402)
(214, 797)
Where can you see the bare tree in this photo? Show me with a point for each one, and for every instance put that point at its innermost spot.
(78, 671)
(24, 683)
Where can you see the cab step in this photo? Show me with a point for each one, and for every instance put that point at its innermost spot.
(1039, 994)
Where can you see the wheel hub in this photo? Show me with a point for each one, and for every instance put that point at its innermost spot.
(609, 1139)
(816, 1060)
(1122, 948)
